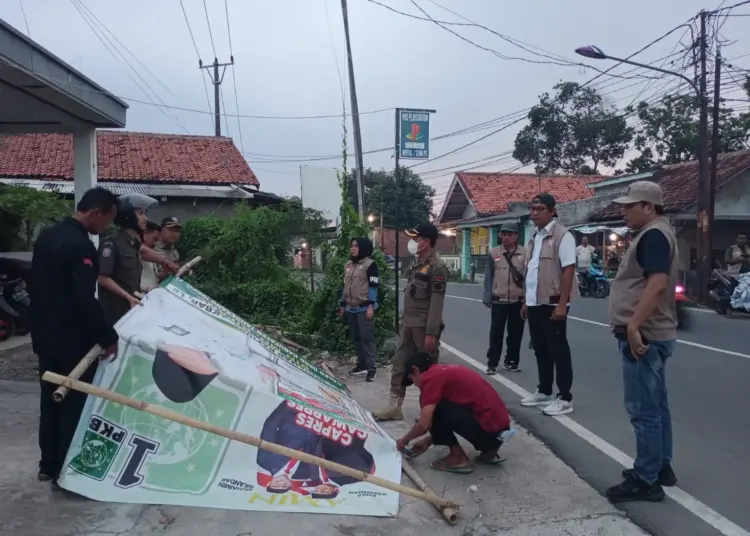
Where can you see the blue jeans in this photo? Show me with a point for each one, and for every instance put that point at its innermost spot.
(646, 402)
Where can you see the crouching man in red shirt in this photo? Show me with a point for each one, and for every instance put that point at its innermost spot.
(455, 400)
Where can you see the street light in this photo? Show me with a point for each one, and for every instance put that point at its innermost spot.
(371, 218)
(705, 187)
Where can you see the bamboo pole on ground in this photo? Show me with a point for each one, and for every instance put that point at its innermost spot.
(450, 513)
(165, 413)
(77, 372)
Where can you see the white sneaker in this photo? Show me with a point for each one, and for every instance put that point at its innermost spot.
(537, 399)
(558, 407)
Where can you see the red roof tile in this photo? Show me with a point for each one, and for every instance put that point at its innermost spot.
(679, 183)
(129, 157)
(491, 192)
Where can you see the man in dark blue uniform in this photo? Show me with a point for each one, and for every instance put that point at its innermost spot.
(67, 320)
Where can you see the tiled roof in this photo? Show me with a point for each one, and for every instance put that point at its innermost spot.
(491, 192)
(679, 183)
(129, 157)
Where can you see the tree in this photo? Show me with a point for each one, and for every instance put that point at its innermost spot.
(668, 132)
(415, 197)
(575, 132)
(23, 211)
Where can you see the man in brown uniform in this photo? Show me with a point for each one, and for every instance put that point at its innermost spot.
(644, 320)
(503, 295)
(422, 322)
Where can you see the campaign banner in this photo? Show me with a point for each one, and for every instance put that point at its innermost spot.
(185, 352)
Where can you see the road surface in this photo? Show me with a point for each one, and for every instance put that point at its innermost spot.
(709, 388)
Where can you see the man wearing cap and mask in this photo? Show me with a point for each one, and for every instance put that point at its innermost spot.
(171, 228)
(422, 324)
(644, 321)
(550, 276)
(503, 294)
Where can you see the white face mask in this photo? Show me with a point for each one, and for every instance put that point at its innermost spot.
(413, 247)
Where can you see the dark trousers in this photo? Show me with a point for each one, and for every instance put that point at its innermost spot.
(550, 341)
(58, 420)
(505, 314)
(363, 337)
(450, 419)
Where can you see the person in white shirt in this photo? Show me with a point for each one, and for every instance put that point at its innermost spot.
(584, 255)
(150, 271)
(550, 274)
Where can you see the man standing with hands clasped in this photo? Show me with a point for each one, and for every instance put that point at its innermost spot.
(550, 274)
(644, 320)
(422, 323)
(503, 294)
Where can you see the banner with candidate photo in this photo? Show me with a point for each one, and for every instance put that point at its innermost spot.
(183, 351)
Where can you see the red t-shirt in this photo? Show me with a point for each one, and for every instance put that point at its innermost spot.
(466, 387)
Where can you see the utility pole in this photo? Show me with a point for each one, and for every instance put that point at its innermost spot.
(704, 183)
(217, 80)
(355, 118)
(715, 134)
(397, 210)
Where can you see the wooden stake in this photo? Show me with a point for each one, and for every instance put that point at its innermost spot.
(165, 413)
(450, 513)
(77, 372)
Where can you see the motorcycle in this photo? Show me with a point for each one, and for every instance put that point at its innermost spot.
(15, 309)
(594, 282)
(682, 305)
(720, 287)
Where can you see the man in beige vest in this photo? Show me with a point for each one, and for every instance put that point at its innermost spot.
(550, 273)
(359, 301)
(503, 295)
(644, 320)
(422, 320)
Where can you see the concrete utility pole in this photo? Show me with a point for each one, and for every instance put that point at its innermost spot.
(355, 119)
(704, 182)
(715, 136)
(217, 80)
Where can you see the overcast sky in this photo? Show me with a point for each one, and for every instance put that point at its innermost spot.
(285, 66)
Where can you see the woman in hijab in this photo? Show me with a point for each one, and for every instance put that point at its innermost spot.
(359, 303)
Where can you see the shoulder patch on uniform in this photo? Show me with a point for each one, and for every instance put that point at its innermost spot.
(438, 284)
(106, 252)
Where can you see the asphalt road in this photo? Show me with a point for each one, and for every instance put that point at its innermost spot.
(709, 388)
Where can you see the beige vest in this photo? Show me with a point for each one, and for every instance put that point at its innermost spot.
(630, 284)
(356, 283)
(549, 280)
(504, 288)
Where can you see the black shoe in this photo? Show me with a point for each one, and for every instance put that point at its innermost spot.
(512, 367)
(44, 477)
(371, 375)
(358, 371)
(634, 489)
(491, 371)
(666, 475)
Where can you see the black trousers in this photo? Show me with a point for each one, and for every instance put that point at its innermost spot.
(505, 314)
(58, 420)
(550, 341)
(450, 419)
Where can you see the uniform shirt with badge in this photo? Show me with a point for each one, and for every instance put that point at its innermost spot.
(119, 259)
(424, 295)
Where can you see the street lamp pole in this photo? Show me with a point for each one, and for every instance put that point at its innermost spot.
(704, 214)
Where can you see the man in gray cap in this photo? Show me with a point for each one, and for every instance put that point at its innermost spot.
(644, 320)
(503, 295)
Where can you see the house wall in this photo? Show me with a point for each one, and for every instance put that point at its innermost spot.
(733, 199)
(469, 212)
(386, 241)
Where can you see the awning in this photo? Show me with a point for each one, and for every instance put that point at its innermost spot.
(591, 229)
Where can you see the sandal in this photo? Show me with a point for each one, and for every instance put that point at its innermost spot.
(440, 465)
(495, 460)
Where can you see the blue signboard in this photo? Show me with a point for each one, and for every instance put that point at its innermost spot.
(414, 134)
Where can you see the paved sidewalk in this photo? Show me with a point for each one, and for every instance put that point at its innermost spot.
(533, 493)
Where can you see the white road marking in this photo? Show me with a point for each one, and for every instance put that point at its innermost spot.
(602, 324)
(687, 501)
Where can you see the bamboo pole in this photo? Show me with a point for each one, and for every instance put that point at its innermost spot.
(165, 413)
(76, 373)
(450, 513)
(185, 268)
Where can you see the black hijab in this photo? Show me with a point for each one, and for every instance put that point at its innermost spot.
(365, 248)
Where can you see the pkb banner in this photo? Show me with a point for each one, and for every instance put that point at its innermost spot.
(183, 351)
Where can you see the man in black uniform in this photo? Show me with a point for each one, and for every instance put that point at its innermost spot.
(67, 320)
(120, 265)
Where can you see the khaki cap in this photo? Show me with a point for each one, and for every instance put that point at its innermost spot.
(642, 192)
